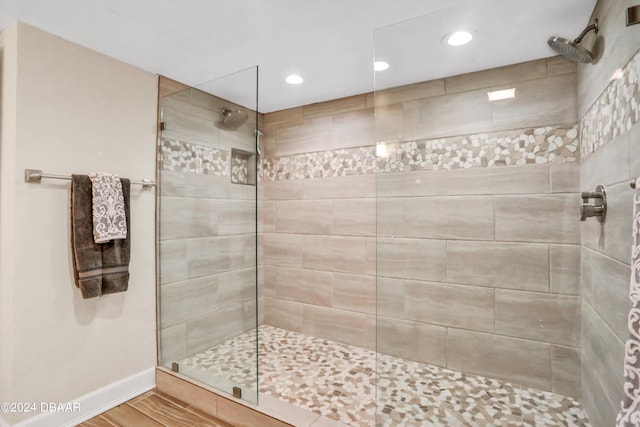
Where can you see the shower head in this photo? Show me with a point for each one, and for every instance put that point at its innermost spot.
(571, 49)
(232, 119)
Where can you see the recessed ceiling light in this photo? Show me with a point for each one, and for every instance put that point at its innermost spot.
(499, 95)
(459, 38)
(380, 65)
(294, 79)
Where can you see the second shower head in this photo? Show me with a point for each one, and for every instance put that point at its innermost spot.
(232, 119)
(571, 49)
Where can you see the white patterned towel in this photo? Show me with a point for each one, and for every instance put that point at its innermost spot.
(109, 218)
(630, 413)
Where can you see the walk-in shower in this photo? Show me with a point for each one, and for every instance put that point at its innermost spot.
(418, 249)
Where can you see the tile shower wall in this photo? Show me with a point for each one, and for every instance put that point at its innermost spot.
(470, 223)
(207, 227)
(609, 112)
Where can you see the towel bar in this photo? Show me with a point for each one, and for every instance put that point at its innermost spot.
(36, 175)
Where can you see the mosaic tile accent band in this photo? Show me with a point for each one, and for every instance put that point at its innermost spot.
(614, 112)
(551, 144)
(183, 157)
(339, 382)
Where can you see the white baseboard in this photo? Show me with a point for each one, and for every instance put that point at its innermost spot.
(96, 402)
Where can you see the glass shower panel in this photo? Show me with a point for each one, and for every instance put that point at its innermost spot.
(207, 232)
(474, 319)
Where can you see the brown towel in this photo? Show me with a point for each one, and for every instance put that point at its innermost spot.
(99, 268)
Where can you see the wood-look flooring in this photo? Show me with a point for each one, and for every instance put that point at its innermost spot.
(154, 409)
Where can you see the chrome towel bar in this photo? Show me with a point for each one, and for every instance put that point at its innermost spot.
(36, 175)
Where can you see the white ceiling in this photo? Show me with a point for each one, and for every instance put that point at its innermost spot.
(329, 42)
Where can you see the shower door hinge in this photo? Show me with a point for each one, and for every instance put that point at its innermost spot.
(175, 367)
(162, 126)
(237, 392)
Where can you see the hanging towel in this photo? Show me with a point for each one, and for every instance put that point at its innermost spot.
(109, 220)
(98, 268)
(630, 413)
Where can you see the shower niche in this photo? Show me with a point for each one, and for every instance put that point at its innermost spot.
(206, 234)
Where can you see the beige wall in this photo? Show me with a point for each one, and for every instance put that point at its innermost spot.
(612, 161)
(477, 269)
(73, 111)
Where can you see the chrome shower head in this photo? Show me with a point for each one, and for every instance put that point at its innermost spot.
(232, 119)
(571, 49)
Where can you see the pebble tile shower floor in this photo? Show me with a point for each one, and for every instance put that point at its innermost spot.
(339, 382)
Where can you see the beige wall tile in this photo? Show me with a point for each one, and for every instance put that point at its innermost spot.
(499, 265)
(608, 165)
(236, 216)
(173, 261)
(390, 217)
(283, 249)
(565, 371)
(172, 184)
(189, 123)
(216, 187)
(310, 135)
(269, 279)
(602, 354)
(217, 254)
(497, 76)
(486, 181)
(608, 294)
(237, 286)
(390, 298)
(412, 340)
(337, 106)
(354, 292)
(410, 92)
(449, 217)
(283, 190)
(467, 307)
(304, 216)
(388, 123)
(353, 129)
(183, 301)
(338, 254)
(302, 285)
(291, 115)
(552, 219)
(267, 215)
(565, 269)
(538, 316)
(601, 410)
(173, 343)
(185, 217)
(339, 325)
(519, 361)
(167, 87)
(538, 103)
(354, 217)
(283, 314)
(565, 177)
(455, 114)
(560, 65)
(340, 187)
(412, 259)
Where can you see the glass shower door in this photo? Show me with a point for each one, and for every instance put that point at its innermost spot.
(207, 232)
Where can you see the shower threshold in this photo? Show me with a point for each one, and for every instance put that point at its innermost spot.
(348, 385)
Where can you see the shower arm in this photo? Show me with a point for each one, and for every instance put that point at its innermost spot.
(584, 32)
